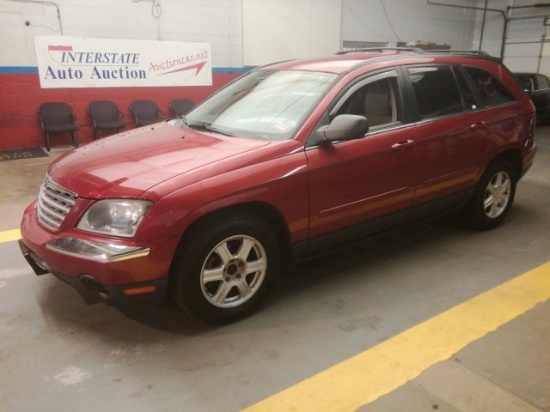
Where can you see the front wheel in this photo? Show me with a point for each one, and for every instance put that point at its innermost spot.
(493, 197)
(225, 267)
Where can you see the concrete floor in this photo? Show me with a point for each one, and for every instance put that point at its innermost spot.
(59, 354)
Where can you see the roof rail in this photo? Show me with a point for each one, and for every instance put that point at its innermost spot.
(458, 52)
(381, 49)
(418, 50)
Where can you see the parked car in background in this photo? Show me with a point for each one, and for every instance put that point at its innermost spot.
(537, 87)
(285, 163)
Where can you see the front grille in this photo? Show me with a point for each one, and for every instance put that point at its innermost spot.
(54, 202)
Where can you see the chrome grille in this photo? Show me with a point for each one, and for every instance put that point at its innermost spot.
(54, 202)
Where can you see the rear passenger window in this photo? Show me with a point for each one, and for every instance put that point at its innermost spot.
(437, 92)
(491, 91)
(468, 98)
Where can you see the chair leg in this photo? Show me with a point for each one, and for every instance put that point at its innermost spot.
(73, 135)
(47, 139)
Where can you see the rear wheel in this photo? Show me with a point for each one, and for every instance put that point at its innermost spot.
(493, 197)
(224, 270)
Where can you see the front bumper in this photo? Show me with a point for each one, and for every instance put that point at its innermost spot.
(139, 277)
(92, 290)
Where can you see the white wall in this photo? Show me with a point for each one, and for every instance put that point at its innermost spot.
(216, 21)
(526, 47)
(393, 21)
(275, 30)
(253, 32)
(287, 29)
(242, 32)
(491, 39)
(523, 46)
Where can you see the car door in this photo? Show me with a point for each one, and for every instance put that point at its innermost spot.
(450, 137)
(354, 184)
(541, 96)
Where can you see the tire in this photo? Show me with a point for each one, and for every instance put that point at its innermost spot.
(493, 197)
(225, 270)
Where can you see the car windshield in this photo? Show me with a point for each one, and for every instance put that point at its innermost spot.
(263, 104)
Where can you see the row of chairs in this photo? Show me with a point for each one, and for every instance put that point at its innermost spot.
(58, 117)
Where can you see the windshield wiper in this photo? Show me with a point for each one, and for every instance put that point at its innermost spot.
(206, 128)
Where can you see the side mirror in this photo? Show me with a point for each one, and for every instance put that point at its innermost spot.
(344, 127)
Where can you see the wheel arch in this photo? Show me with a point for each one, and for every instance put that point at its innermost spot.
(262, 210)
(514, 157)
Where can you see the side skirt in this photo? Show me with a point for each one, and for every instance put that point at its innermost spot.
(344, 238)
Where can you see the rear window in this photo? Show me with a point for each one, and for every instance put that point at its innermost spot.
(491, 91)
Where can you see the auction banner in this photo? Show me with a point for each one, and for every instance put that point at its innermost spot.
(69, 62)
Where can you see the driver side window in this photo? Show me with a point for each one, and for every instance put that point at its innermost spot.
(377, 101)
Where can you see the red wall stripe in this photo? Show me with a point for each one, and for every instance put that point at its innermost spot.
(20, 96)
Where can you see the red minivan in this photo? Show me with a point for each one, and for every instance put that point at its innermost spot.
(286, 162)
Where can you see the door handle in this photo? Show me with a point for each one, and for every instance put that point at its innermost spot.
(401, 145)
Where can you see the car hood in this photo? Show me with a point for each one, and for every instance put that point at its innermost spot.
(127, 164)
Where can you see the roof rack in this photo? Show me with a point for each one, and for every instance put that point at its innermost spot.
(418, 50)
(458, 52)
(381, 49)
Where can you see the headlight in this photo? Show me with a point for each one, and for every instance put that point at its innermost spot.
(115, 217)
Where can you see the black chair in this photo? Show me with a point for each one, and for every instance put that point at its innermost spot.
(57, 117)
(181, 107)
(146, 112)
(105, 116)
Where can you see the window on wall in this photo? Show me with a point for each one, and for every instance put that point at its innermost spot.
(491, 91)
(437, 92)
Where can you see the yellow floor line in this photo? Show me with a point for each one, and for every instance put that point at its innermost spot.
(385, 367)
(10, 235)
